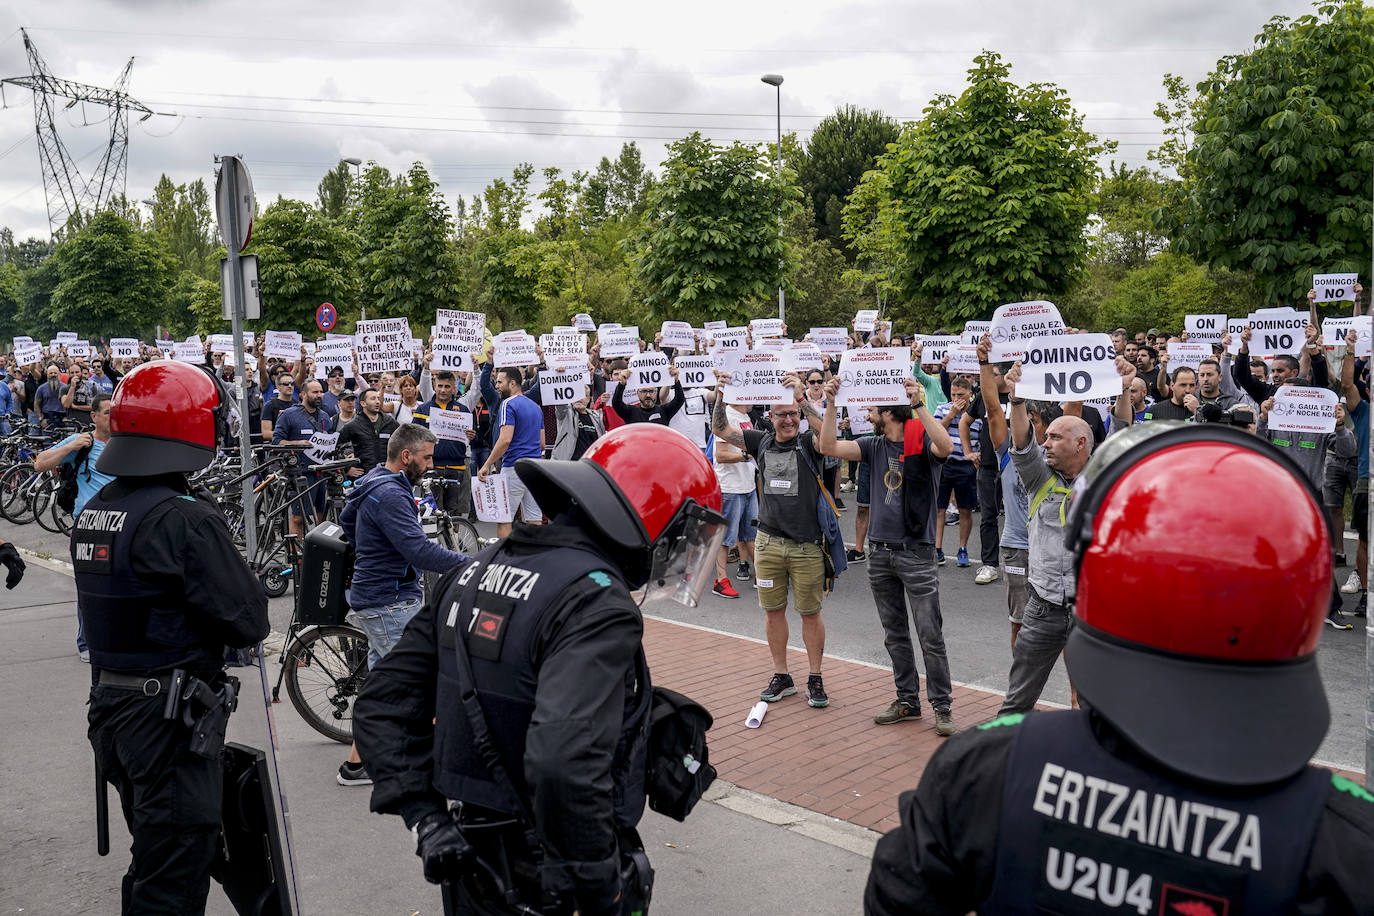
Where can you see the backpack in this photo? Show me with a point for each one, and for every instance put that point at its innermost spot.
(68, 489)
(679, 768)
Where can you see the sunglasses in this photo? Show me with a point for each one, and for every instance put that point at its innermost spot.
(815, 381)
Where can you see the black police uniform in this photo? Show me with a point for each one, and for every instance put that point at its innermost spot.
(1056, 813)
(161, 587)
(555, 650)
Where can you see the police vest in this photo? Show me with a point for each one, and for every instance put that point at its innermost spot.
(499, 626)
(1083, 831)
(131, 624)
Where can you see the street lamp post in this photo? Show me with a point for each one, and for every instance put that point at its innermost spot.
(775, 80)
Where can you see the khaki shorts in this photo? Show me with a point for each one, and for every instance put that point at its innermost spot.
(779, 561)
(1014, 570)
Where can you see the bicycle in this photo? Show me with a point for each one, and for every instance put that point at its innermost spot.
(324, 667)
(452, 531)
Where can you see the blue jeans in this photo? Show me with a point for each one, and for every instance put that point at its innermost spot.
(740, 511)
(898, 577)
(384, 625)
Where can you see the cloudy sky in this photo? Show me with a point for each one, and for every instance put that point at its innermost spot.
(471, 89)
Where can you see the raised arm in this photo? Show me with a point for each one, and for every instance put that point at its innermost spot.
(720, 424)
(941, 445)
(828, 442)
(994, 416)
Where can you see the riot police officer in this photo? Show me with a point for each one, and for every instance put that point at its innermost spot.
(530, 657)
(164, 591)
(1183, 786)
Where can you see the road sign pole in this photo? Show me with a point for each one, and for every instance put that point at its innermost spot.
(229, 166)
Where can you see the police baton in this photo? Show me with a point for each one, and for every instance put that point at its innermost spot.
(102, 811)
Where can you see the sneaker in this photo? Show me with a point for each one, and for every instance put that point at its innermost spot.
(962, 557)
(855, 556)
(84, 655)
(725, 589)
(1335, 621)
(939, 557)
(985, 575)
(1340, 559)
(353, 774)
(952, 517)
(742, 571)
(944, 723)
(839, 504)
(1361, 610)
(899, 711)
(780, 686)
(1352, 585)
(846, 486)
(815, 692)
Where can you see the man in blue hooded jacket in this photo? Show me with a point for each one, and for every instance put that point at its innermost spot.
(390, 549)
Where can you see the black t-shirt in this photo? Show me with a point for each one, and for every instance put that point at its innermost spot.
(987, 455)
(788, 489)
(1167, 410)
(586, 433)
(272, 407)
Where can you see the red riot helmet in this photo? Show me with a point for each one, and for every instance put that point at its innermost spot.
(650, 494)
(1204, 575)
(166, 417)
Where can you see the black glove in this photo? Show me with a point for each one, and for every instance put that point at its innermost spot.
(15, 563)
(441, 846)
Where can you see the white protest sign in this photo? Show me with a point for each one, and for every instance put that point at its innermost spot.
(617, 342)
(729, 340)
(1017, 322)
(23, 340)
(164, 346)
(563, 329)
(696, 371)
(583, 322)
(383, 345)
(1204, 328)
(187, 352)
(648, 370)
(221, 343)
(1277, 331)
(713, 326)
(1069, 367)
(803, 356)
(678, 335)
(332, 336)
(517, 349)
(935, 349)
(283, 344)
(1335, 329)
(563, 386)
(466, 327)
(605, 326)
(874, 377)
(322, 446)
(1188, 354)
(331, 355)
(564, 349)
(66, 335)
(123, 348)
(81, 348)
(974, 331)
(755, 377)
(865, 319)
(28, 355)
(963, 359)
(1234, 327)
(1334, 287)
(450, 424)
(859, 424)
(771, 343)
(491, 499)
(830, 341)
(1303, 409)
(765, 327)
(451, 354)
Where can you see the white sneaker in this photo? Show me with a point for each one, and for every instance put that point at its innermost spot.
(1352, 585)
(986, 574)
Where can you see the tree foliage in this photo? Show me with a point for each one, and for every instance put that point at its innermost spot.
(844, 146)
(985, 200)
(112, 279)
(304, 258)
(709, 242)
(1277, 177)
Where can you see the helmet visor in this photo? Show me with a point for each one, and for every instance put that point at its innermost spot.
(684, 556)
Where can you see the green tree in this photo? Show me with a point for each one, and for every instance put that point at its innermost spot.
(334, 190)
(1277, 176)
(406, 264)
(184, 226)
(616, 190)
(709, 242)
(844, 146)
(1125, 234)
(112, 279)
(304, 258)
(986, 199)
(1165, 289)
(11, 299)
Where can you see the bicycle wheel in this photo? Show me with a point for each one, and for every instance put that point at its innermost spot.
(465, 537)
(62, 518)
(15, 505)
(45, 503)
(325, 668)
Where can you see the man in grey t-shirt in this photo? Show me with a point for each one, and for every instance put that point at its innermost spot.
(905, 458)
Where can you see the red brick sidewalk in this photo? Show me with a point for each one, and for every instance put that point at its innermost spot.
(834, 760)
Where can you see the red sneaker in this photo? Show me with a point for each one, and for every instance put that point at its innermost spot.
(725, 589)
